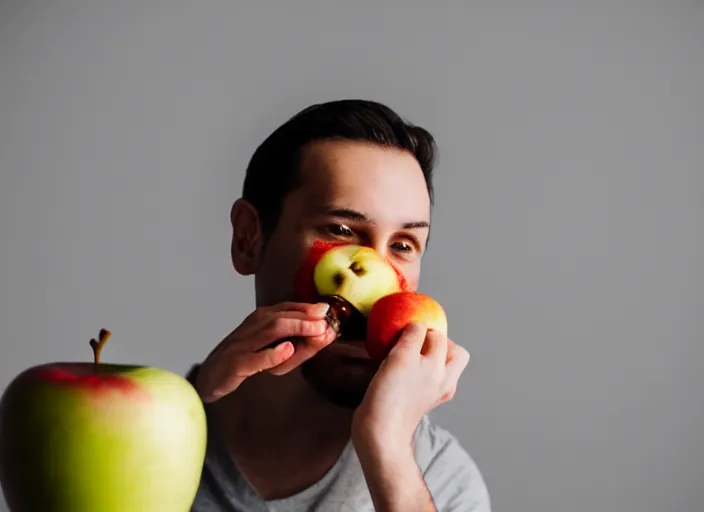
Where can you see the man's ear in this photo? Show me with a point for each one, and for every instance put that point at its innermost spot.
(247, 237)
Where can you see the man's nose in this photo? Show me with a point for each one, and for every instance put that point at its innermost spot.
(379, 246)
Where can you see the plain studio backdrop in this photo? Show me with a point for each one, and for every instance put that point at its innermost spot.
(567, 243)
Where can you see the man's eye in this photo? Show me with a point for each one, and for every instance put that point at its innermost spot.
(402, 246)
(340, 230)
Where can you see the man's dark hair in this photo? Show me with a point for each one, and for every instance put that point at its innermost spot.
(273, 171)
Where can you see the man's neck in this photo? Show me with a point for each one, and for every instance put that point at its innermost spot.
(282, 436)
(281, 415)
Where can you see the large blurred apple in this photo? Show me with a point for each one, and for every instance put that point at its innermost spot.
(390, 315)
(93, 437)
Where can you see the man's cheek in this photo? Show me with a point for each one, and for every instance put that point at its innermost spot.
(412, 276)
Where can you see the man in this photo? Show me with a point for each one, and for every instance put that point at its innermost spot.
(318, 426)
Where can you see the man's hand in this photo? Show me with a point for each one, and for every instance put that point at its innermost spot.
(253, 347)
(420, 372)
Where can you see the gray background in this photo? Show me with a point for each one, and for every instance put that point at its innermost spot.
(568, 240)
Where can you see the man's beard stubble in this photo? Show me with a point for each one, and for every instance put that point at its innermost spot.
(342, 381)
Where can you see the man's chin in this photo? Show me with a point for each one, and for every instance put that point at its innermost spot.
(339, 377)
(344, 398)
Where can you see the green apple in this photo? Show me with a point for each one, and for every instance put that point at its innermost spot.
(93, 437)
(357, 273)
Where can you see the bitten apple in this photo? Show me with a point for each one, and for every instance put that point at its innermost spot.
(89, 437)
(356, 273)
(392, 313)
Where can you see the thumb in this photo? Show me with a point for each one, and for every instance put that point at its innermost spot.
(411, 339)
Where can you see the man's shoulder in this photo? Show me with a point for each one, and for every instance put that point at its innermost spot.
(435, 443)
(449, 470)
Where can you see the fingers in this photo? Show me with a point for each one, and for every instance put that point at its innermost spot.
(436, 346)
(262, 342)
(304, 350)
(416, 338)
(232, 371)
(457, 361)
(283, 321)
(284, 327)
(316, 310)
(411, 340)
(447, 359)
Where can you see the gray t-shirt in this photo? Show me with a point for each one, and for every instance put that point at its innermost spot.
(452, 477)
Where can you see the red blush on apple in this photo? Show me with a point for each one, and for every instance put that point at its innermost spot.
(84, 375)
(391, 314)
(304, 286)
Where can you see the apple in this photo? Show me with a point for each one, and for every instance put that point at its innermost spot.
(89, 437)
(392, 313)
(304, 285)
(356, 273)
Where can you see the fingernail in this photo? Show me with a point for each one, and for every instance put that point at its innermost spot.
(321, 308)
(323, 326)
(286, 347)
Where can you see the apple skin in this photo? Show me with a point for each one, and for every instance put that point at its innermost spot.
(304, 285)
(112, 438)
(392, 313)
(357, 273)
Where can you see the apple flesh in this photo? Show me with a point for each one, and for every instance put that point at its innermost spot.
(390, 315)
(88, 437)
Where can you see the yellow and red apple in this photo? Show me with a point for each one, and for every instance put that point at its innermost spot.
(391, 314)
(357, 273)
(304, 283)
(89, 437)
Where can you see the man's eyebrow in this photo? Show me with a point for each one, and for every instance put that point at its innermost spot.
(416, 225)
(348, 213)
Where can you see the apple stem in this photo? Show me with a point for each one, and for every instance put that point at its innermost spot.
(97, 346)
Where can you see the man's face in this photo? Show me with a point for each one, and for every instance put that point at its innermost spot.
(358, 193)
